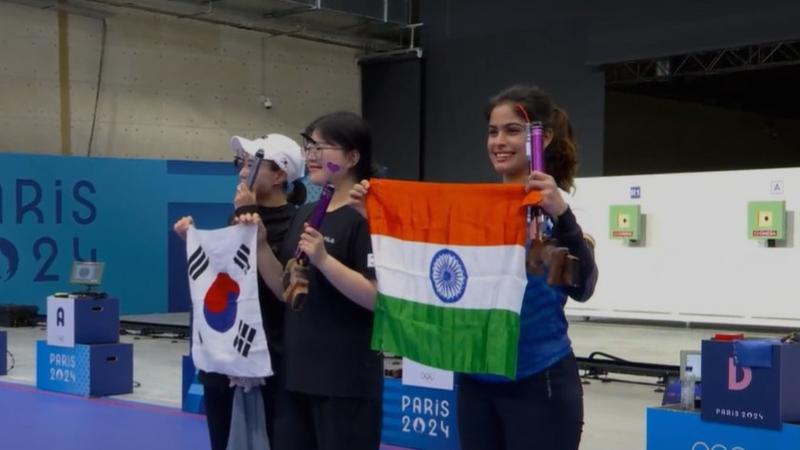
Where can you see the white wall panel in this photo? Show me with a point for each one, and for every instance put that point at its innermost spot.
(697, 264)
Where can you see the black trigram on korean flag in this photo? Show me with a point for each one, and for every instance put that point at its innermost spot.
(242, 258)
(198, 263)
(244, 338)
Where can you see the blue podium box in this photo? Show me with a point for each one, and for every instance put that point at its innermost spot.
(3, 352)
(193, 393)
(670, 429)
(86, 370)
(419, 418)
(82, 320)
(765, 395)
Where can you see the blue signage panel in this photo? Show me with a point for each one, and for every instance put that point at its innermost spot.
(63, 369)
(55, 210)
(740, 390)
(419, 418)
(96, 370)
(669, 429)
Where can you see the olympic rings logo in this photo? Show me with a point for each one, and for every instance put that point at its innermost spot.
(700, 445)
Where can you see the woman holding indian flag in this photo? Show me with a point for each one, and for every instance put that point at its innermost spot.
(541, 407)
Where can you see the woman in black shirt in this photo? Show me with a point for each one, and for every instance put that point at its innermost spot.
(269, 201)
(334, 380)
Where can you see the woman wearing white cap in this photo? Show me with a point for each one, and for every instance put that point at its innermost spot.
(274, 197)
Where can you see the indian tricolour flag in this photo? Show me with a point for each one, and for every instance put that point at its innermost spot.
(450, 263)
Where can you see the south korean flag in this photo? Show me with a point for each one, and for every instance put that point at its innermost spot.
(228, 336)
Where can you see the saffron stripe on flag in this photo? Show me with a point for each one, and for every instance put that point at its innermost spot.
(489, 214)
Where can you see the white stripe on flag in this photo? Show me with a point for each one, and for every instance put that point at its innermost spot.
(495, 274)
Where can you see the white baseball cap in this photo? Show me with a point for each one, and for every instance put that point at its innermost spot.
(280, 149)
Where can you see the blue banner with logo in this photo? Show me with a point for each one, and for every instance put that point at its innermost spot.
(55, 210)
(670, 429)
(419, 418)
(742, 389)
(100, 369)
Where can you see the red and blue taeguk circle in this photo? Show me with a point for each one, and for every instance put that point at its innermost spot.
(219, 306)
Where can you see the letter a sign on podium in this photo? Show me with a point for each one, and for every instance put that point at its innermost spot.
(61, 322)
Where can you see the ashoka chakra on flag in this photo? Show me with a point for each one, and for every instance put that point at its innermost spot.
(450, 263)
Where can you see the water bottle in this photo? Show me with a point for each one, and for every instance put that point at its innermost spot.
(687, 390)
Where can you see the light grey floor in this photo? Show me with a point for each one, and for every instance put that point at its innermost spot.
(615, 412)
(175, 319)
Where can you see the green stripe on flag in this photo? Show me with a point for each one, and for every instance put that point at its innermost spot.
(461, 340)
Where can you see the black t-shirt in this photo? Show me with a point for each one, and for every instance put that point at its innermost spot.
(327, 342)
(276, 220)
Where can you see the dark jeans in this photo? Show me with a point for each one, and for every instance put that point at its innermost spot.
(541, 412)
